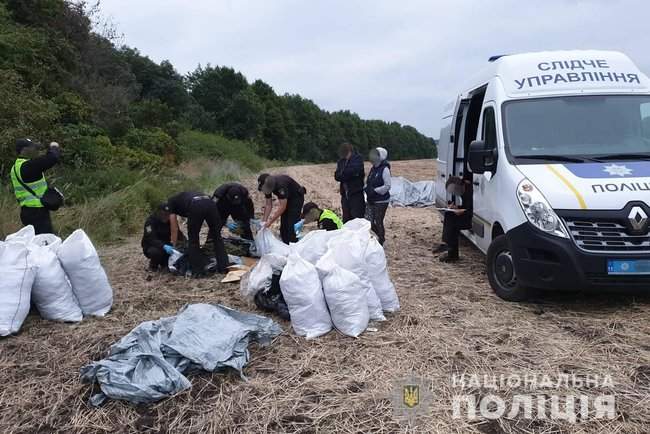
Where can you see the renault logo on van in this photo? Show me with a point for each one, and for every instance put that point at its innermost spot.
(638, 219)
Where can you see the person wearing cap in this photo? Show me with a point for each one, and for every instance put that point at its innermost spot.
(197, 208)
(327, 220)
(378, 191)
(458, 217)
(157, 240)
(291, 197)
(350, 174)
(234, 201)
(29, 169)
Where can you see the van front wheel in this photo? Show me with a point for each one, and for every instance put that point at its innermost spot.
(501, 271)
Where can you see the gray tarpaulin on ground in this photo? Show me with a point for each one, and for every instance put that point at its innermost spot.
(148, 364)
(416, 194)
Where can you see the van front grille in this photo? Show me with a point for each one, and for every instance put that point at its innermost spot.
(606, 237)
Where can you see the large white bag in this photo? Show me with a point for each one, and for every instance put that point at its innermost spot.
(265, 243)
(303, 293)
(15, 286)
(25, 235)
(261, 276)
(87, 276)
(378, 271)
(349, 251)
(313, 246)
(345, 297)
(52, 293)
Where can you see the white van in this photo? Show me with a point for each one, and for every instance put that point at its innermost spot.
(557, 146)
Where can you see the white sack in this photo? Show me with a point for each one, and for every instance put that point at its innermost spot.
(303, 293)
(265, 243)
(378, 270)
(87, 276)
(25, 235)
(313, 245)
(260, 277)
(345, 296)
(349, 251)
(52, 293)
(15, 286)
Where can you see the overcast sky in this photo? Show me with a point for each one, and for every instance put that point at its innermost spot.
(400, 60)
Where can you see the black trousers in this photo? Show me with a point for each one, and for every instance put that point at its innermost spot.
(204, 210)
(353, 206)
(157, 256)
(451, 227)
(375, 213)
(37, 217)
(290, 217)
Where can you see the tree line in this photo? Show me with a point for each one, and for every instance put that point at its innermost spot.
(113, 106)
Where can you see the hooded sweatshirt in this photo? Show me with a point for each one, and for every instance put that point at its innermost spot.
(379, 179)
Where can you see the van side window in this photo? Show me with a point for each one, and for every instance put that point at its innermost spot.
(489, 127)
(645, 121)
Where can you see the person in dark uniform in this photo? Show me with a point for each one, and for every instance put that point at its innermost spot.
(234, 201)
(327, 220)
(350, 174)
(378, 192)
(29, 168)
(197, 208)
(291, 197)
(457, 219)
(157, 240)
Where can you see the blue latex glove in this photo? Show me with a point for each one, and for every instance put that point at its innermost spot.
(298, 226)
(168, 249)
(232, 226)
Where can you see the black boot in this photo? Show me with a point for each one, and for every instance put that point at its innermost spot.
(449, 257)
(440, 249)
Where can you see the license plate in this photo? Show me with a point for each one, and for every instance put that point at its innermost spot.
(632, 266)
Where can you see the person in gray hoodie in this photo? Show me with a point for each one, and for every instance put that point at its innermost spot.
(378, 191)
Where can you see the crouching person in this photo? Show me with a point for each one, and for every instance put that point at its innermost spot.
(156, 240)
(197, 208)
(327, 220)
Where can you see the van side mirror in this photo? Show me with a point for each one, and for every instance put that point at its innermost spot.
(482, 157)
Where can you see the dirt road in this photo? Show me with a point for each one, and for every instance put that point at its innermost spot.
(450, 324)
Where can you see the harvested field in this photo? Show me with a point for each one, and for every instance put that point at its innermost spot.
(450, 324)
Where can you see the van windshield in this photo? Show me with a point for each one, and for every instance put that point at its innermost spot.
(581, 128)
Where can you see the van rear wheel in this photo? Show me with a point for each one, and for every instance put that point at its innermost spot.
(501, 272)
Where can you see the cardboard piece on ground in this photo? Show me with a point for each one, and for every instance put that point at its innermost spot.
(249, 262)
(234, 276)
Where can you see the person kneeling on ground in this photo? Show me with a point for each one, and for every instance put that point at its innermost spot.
(457, 219)
(234, 201)
(378, 192)
(156, 240)
(327, 220)
(197, 208)
(291, 197)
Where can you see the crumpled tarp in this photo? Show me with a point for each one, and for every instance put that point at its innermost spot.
(147, 365)
(415, 194)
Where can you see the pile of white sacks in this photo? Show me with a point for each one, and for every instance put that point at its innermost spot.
(65, 280)
(329, 279)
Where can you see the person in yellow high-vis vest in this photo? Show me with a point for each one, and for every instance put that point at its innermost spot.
(327, 219)
(29, 168)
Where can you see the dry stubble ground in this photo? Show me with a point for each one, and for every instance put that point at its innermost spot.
(450, 323)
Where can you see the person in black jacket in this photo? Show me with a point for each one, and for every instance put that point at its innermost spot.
(378, 192)
(234, 201)
(291, 197)
(350, 173)
(197, 208)
(30, 167)
(156, 240)
(457, 219)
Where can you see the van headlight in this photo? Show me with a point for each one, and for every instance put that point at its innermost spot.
(538, 211)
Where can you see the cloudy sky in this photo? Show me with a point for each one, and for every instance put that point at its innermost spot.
(396, 60)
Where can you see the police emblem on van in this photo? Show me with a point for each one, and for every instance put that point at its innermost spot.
(638, 219)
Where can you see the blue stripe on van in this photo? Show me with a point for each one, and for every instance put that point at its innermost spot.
(614, 169)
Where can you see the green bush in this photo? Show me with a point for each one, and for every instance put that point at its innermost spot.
(153, 141)
(194, 144)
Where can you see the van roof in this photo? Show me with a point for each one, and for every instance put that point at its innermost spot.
(564, 72)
